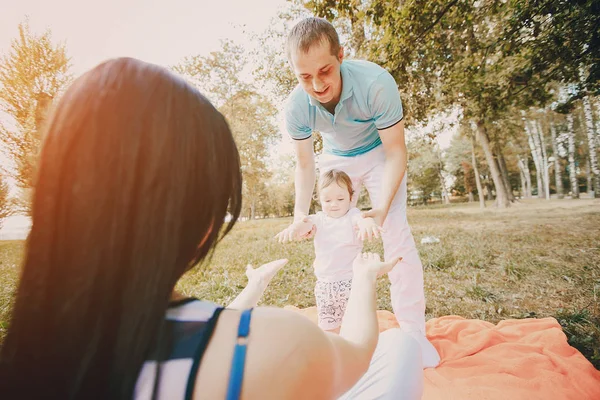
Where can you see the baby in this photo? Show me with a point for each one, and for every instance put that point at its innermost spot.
(339, 234)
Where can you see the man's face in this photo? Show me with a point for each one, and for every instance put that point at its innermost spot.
(318, 72)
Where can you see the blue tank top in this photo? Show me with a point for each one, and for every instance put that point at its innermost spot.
(190, 324)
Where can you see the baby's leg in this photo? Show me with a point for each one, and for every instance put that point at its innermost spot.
(332, 299)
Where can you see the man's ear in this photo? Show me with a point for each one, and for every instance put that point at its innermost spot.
(341, 54)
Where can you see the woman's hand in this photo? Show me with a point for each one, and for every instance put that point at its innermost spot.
(370, 265)
(258, 280)
(265, 272)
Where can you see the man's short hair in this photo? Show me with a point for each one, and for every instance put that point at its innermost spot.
(311, 31)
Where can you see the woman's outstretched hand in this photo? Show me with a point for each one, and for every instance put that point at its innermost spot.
(265, 272)
(370, 264)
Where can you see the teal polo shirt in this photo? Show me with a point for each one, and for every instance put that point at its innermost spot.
(369, 102)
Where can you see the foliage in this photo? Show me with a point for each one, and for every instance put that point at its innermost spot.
(250, 115)
(32, 74)
(424, 169)
(5, 201)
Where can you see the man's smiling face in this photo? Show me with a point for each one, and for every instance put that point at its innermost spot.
(318, 72)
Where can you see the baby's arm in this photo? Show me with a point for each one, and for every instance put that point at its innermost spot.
(299, 230)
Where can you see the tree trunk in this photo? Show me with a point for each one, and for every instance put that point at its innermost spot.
(544, 160)
(471, 197)
(588, 173)
(596, 103)
(557, 169)
(504, 172)
(501, 195)
(252, 210)
(593, 161)
(488, 189)
(445, 197)
(535, 155)
(524, 167)
(523, 186)
(476, 172)
(572, 167)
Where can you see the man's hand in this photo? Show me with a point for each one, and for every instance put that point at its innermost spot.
(298, 230)
(367, 229)
(377, 214)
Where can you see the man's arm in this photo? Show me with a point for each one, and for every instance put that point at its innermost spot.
(304, 183)
(388, 114)
(305, 177)
(394, 170)
(394, 147)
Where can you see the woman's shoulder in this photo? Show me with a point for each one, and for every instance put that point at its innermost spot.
(285, 352)
(191, 309)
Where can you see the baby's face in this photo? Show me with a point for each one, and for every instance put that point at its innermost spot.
(335, 200)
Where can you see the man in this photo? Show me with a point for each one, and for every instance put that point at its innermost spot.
(357, 108)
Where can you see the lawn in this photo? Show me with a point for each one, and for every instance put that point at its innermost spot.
(537, 259)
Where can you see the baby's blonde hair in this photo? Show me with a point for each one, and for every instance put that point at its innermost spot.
(337, 176)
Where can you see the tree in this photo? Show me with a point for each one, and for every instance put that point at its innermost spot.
(423, 168)
(458, 161)
(217, 75)
(32, 74)
(571, 152)
(250, 118)
(561, 38)
(5, 201)
(272, 69)
(557, 166)
(250, 115)
(593, 159)
(476, 172)
(534, 145)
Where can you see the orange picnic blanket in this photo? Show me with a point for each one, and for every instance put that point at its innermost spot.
(515, 359)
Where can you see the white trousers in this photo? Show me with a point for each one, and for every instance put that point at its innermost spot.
(395, 372)
(406, 279)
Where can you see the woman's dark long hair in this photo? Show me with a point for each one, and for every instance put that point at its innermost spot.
(137, 173)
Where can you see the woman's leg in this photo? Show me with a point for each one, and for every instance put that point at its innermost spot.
(395, 372)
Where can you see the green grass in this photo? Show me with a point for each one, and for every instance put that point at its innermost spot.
(536, 259)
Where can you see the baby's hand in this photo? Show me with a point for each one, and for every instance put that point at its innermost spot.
(367, 228)
(302, 229)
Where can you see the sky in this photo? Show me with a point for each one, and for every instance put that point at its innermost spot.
(162, 32)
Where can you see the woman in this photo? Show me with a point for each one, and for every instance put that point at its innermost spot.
(137, 173)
